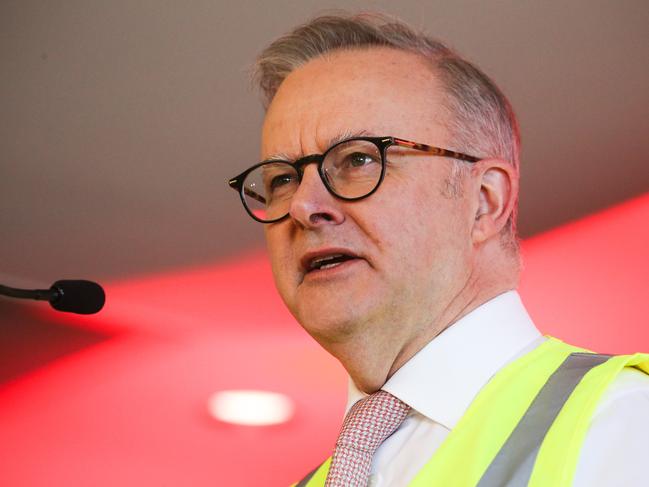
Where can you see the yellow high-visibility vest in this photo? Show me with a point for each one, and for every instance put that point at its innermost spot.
(527, 424)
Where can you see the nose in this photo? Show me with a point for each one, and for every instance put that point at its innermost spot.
(313, 205)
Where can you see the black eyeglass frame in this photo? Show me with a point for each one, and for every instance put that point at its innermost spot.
(382, 144)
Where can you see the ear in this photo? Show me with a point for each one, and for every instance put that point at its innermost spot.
(497, 194)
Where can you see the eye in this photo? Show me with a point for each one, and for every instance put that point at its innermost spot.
(281, 180)
(359, 159)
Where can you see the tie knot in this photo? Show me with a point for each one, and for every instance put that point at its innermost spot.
(371, 420)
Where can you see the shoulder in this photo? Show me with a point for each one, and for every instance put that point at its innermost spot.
(630, 386)
(613, 452)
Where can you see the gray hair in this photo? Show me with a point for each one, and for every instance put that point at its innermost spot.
(482, 121)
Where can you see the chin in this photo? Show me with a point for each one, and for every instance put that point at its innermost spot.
(334, 314)
(327, 327)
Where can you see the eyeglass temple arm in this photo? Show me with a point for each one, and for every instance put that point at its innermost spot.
(234, 184)
(435, 150)
(254, 195)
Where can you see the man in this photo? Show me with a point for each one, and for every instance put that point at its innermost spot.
(388, 191)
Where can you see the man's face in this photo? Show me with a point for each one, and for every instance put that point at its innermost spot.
(410, 241)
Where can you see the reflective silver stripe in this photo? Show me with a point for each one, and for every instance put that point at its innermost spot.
(305, 480)
(514, 463)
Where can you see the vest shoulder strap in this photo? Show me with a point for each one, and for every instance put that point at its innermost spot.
(515, 461)
(468, 450)
(557, 460)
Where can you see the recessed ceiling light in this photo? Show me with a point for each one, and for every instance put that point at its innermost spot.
(250, 407)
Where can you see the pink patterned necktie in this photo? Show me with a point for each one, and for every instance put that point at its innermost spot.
(367, 424)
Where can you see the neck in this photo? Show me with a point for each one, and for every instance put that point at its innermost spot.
(371, 360)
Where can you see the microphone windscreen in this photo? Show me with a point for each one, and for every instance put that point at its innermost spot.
(82, 297)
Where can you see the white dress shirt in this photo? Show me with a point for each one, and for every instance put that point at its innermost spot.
(441, 380)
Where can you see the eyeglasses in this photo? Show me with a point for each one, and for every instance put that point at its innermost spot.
(351, 169)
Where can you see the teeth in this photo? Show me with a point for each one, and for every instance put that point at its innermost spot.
(320, 262)
(329, 266)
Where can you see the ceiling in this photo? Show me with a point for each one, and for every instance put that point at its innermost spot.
(121, 121)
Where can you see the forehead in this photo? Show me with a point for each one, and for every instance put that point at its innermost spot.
(378, 91)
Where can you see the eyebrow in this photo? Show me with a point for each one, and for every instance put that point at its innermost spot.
(347, 134)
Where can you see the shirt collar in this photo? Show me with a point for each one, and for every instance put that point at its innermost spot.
(441, 380)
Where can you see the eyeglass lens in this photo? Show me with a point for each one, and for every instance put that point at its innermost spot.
(351, 169)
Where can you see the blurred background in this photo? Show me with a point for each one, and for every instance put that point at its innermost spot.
(120, 125)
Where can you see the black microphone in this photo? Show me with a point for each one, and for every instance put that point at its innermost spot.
(82, 297)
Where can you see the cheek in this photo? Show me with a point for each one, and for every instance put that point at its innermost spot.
(279, 255)
(426, 235)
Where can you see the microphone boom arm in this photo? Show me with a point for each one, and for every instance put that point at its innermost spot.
(37, 294)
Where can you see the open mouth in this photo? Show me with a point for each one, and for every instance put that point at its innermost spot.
(328, 261)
